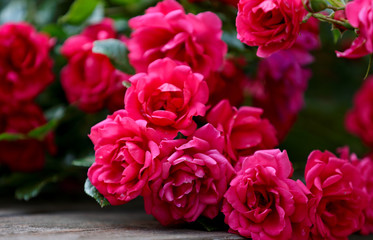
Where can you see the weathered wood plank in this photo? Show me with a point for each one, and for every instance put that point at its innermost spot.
(86, 220)
(89, 221)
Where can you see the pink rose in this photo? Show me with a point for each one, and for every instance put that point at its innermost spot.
(127, 156)
(193, 180)
(358, 13)
(25, 65)
(166, 31)
(365, 168)
(263, 203)
(279, 89)
(228, 83)
(244, 129)
(28, 154)
(89, 79)
(359, 120)
(167, 96)
(338, 196)
(271, 25)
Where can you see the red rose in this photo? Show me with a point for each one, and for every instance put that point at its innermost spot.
(365, 168)
(338, 196)
(25, 154)
(89, 79)
(25, 66)
(168, 96)
(263, 203)
(127, 156)
(271, 25)
(359, 15)
(166, 31)
(244, 130)
(359, 120)
(193, 180)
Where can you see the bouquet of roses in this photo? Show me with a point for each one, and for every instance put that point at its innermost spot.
(189, 129)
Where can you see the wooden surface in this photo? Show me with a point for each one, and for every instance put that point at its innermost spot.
(86, 220)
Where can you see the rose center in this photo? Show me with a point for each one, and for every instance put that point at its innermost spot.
(166, 101)
(22, 55)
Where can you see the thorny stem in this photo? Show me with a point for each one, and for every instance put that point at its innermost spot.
(331, 20)
(307, 17)
(335, 8)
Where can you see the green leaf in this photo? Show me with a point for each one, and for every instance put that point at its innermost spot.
(97, 15)
(336, 35)
(54, 30)
(40, 132)
(91, 190)
(84, 162)
(45, 11)
(11, 136)
(337, 3)
(124, 2)
(30, 191)
(318, 5)
(116, 51)
(230, 38)
(55, 114)
(79, 11)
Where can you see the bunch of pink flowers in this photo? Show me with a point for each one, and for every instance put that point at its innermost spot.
(190, 156)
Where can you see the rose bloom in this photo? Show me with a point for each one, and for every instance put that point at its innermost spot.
(25, 65)
(338, 196)
(228, 83)
(167, 31)
(193, 180)
(127, 156)
(167, 96)
(272, 25)
(89, 79)
(358, 13)
(244, 130)
(359, 120)
(27, 154)
(263, 203)
(365, 168)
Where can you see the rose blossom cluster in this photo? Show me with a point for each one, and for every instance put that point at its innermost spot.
(262, 201)
(189, 153)
(167, 144)
(90, 81)
(25, 71)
